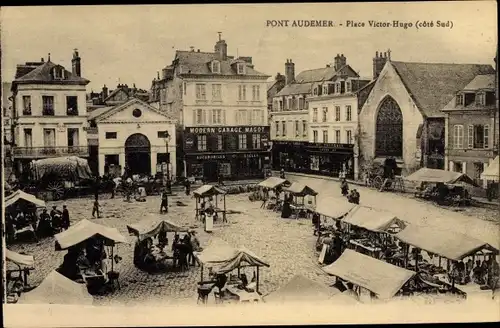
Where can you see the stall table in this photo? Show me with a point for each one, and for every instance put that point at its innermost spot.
(374, 251)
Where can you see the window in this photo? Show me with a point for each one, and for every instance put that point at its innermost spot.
(275, 105)
(256, 92)
(220, 142)
(277, 128)
(337, 87)
(297, 133)
(315, 136)
(480, 99)
(458, 136)
(162, 134)
(348, 113)
(289, 103)
(216, 116)
(315, 91)
(201, 92)
(301, 103)
(315, 115)
(242, 141)
(241, 68)
(304, 128)
(460, 100)
(458, 167)
(199, 116)
(348, 136)
(337, 113)
(478, 136)
(325, 89)
(486, 131)
(137, 113)
(257, 117)
(73, 137)
(325, 113)
(242, 92)
(281, 105)
(58, 73)
(26, 105)
(48, 105)
(28, 138)
(216, 92)
(325, 136)
(283, 126)
(215, 67)
(337, 136)
(347, 86)
(202, 142)
(242, 117)
(470, 136)
(111, 135)
(49, 137)
(256, 141)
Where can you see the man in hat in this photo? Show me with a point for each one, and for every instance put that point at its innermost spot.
(45, 225)
(65, 218)
(55, 216)
(164, 201)
(195, 246)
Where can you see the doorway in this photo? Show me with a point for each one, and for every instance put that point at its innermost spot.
(138, 154)
(210, 171)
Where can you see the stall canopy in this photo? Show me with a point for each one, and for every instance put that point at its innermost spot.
(299, 288)
(381, 278)
(299, 189)
(84, 230)
(242, 258)
(57, 289)
(21, 195)
(372, 219)
(273, 182)
(208, 191)
(218, 251)
(439, 176)
(20, 259)
(492, 172)
(445, 243)
(149, 228)
(334, 210)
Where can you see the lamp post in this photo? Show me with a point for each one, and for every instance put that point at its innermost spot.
(166, 137)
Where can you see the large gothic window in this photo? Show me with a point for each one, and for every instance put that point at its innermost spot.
(389, 129)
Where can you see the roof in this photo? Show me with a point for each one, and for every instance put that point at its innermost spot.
(492, 172)
(42, 74)
(300, 190)
(242, 258)
(57, 289)
(300, 288)
(373, 219)
(198, 63)
(433, 86)
(481, 82)
(21, 195)
(24, 69)
(216, 252)
(149, 228)
(381, 278)
(208, 191)
(21, 259)
(334, 210)
(84, 230)
(445, 243)
(295, 88)
(98, 112)
(434, 175)
(105, 112)
(272, 182)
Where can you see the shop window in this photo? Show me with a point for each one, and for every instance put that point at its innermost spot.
(111, 135)
(202, 142)
(220, 142)
(225, 169)
(256, 141)
(242, 141)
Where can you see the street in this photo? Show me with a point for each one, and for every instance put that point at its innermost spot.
(287, 245)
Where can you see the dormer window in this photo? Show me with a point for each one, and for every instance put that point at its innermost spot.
(325, 89)
(58, 73)
(216, 67)
(241, 68)
(315, 91)
(460, 100)
(347, 86)
(480, 99)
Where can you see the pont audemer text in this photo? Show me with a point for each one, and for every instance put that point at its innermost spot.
(299, 23)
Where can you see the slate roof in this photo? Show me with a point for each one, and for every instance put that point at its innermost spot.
(22, 70)
(42, 74)
(295, 89)
(198, 63)
(481, 82)
(98, 112)
(433, 86)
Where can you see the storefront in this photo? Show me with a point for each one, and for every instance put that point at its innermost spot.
(239, 152)
(290, 155)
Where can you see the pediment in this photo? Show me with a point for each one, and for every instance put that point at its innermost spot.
(135, 112)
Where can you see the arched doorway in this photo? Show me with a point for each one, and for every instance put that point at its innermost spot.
(138, 154)
(389, 129)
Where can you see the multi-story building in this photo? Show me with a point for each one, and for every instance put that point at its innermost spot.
(273, 88)
(49, 111)
(333, 123)
(470, 122)
(222, 109)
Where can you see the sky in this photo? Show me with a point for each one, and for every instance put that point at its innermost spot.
(129, 44)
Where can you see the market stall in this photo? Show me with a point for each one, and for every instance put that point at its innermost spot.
(301, 200)
(18, 267)
(274, 185)
(203, 199)
(21, 214)
(148, 256)
(57, 289)
(492, 172)
(446, 252)
(299, 289)
(221, 258)
(380, 279)
(90, 251)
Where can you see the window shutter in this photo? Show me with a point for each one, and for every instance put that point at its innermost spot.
(450, 166)
(486, 136)
(194, 117)
(464, 167)
(262, 118)
(223, 116)
(210, 114)
(204, 116)
(470, 136)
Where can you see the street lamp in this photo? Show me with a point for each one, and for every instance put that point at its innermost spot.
(166, 137)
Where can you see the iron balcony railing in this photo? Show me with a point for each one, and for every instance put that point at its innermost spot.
(40, 152)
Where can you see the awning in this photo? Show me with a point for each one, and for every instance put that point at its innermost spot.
(272, 182)
(381, 278)
(334, 210)
(492, 172)
(373, 219)
(208, 191)
(445, 243)
(242, 258)
(438, 176)
(299, 189)
(149, 228)
(84, 230)
(57, 289)
(299, 288)
(20, 259)
(21, 195)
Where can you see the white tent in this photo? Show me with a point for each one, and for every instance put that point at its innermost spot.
(492, 172)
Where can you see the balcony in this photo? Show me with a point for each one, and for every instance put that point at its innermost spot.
(43, 152)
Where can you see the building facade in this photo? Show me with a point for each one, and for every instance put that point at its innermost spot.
(136, 137)
(470, 122)
(222, 109)
(402, 115)
(49, 111)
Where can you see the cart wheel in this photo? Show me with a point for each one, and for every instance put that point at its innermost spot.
(57, 189)
(377, 182)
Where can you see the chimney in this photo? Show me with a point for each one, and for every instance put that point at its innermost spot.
(343, 61)
(198, 50)
(158, 75)
(379, 62)
(337, 62)
(289, 71)
(104, 93)
(76, 64)
(280, 78)
(221, 48)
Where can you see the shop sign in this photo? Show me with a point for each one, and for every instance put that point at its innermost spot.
(251, 155)
(210, 157)
(228, 129)
(330, 145)
(189, 142)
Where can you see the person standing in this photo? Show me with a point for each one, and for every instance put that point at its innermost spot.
(164, 202)
(95, 208)
(195, 246)
(96, 187)
(65, 218)
(265, 197)
(344, 187)
(188, 187)
(282, 173)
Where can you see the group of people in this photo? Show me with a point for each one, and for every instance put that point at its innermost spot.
(483, 273)
(353, 196)
(87, 257)
(54, 222)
